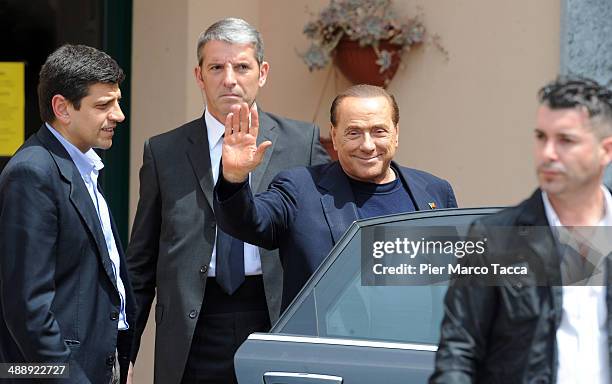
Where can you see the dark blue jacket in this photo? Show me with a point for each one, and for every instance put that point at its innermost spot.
(306, 210)
(58, 296)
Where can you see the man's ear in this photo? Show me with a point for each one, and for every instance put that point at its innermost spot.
(397, 135)
(332, 134)
(264, 68)
(197, 72)
(606, 145)
(60, 109)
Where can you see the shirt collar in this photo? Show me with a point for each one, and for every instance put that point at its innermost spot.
(214, 129)
(554, 221)
(85, 162)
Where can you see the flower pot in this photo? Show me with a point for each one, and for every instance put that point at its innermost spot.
(358, 63)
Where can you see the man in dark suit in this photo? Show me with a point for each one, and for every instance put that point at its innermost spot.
(539, 327)
(202, 313)
(65, 296)
(306, 210)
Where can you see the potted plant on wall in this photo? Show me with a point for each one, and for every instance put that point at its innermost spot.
(365, 38)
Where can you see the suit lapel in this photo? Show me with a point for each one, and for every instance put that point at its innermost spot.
(422, 199)
(532, 222)
(339, 203)
(199, 156)
(267, 131)
(79, 196)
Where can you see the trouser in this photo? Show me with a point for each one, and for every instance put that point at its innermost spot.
(224, 323)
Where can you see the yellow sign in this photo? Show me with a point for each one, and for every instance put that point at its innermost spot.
(12, 107)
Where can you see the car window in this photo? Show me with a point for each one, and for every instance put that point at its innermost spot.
(337, 302)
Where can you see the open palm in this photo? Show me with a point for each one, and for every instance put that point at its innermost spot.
(240, 154)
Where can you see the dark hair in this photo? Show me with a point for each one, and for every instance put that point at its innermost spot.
(69, 71)
(363, 91)
(573, 91)
(233, 31)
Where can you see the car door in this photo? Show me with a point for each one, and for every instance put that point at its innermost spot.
(349, 325)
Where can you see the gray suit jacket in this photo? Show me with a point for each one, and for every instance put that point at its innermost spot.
(174, 229)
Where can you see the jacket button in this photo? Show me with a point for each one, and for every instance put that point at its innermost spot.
(204, 269)
(114, 315)
(193, 314)
(110, 360)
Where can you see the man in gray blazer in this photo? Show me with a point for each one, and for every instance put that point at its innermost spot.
(207, 306)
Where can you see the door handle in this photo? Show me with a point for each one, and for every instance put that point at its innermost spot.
(300, 378)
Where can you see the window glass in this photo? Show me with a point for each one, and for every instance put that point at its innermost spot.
(338, 304)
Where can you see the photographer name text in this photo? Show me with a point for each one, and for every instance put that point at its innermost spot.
(450, 269)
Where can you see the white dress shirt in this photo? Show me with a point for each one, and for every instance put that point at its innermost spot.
(89, 165)
(582, 336)
(215, 130)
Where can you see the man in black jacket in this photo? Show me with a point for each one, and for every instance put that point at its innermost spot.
(551, 325)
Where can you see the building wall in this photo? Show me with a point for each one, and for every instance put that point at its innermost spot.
(159, 95)
(467, 117)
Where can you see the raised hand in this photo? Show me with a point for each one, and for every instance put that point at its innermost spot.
(240, 153)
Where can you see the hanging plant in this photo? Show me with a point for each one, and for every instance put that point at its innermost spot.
(372, 24)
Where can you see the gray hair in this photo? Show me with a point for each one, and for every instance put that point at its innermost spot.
(234, 31)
